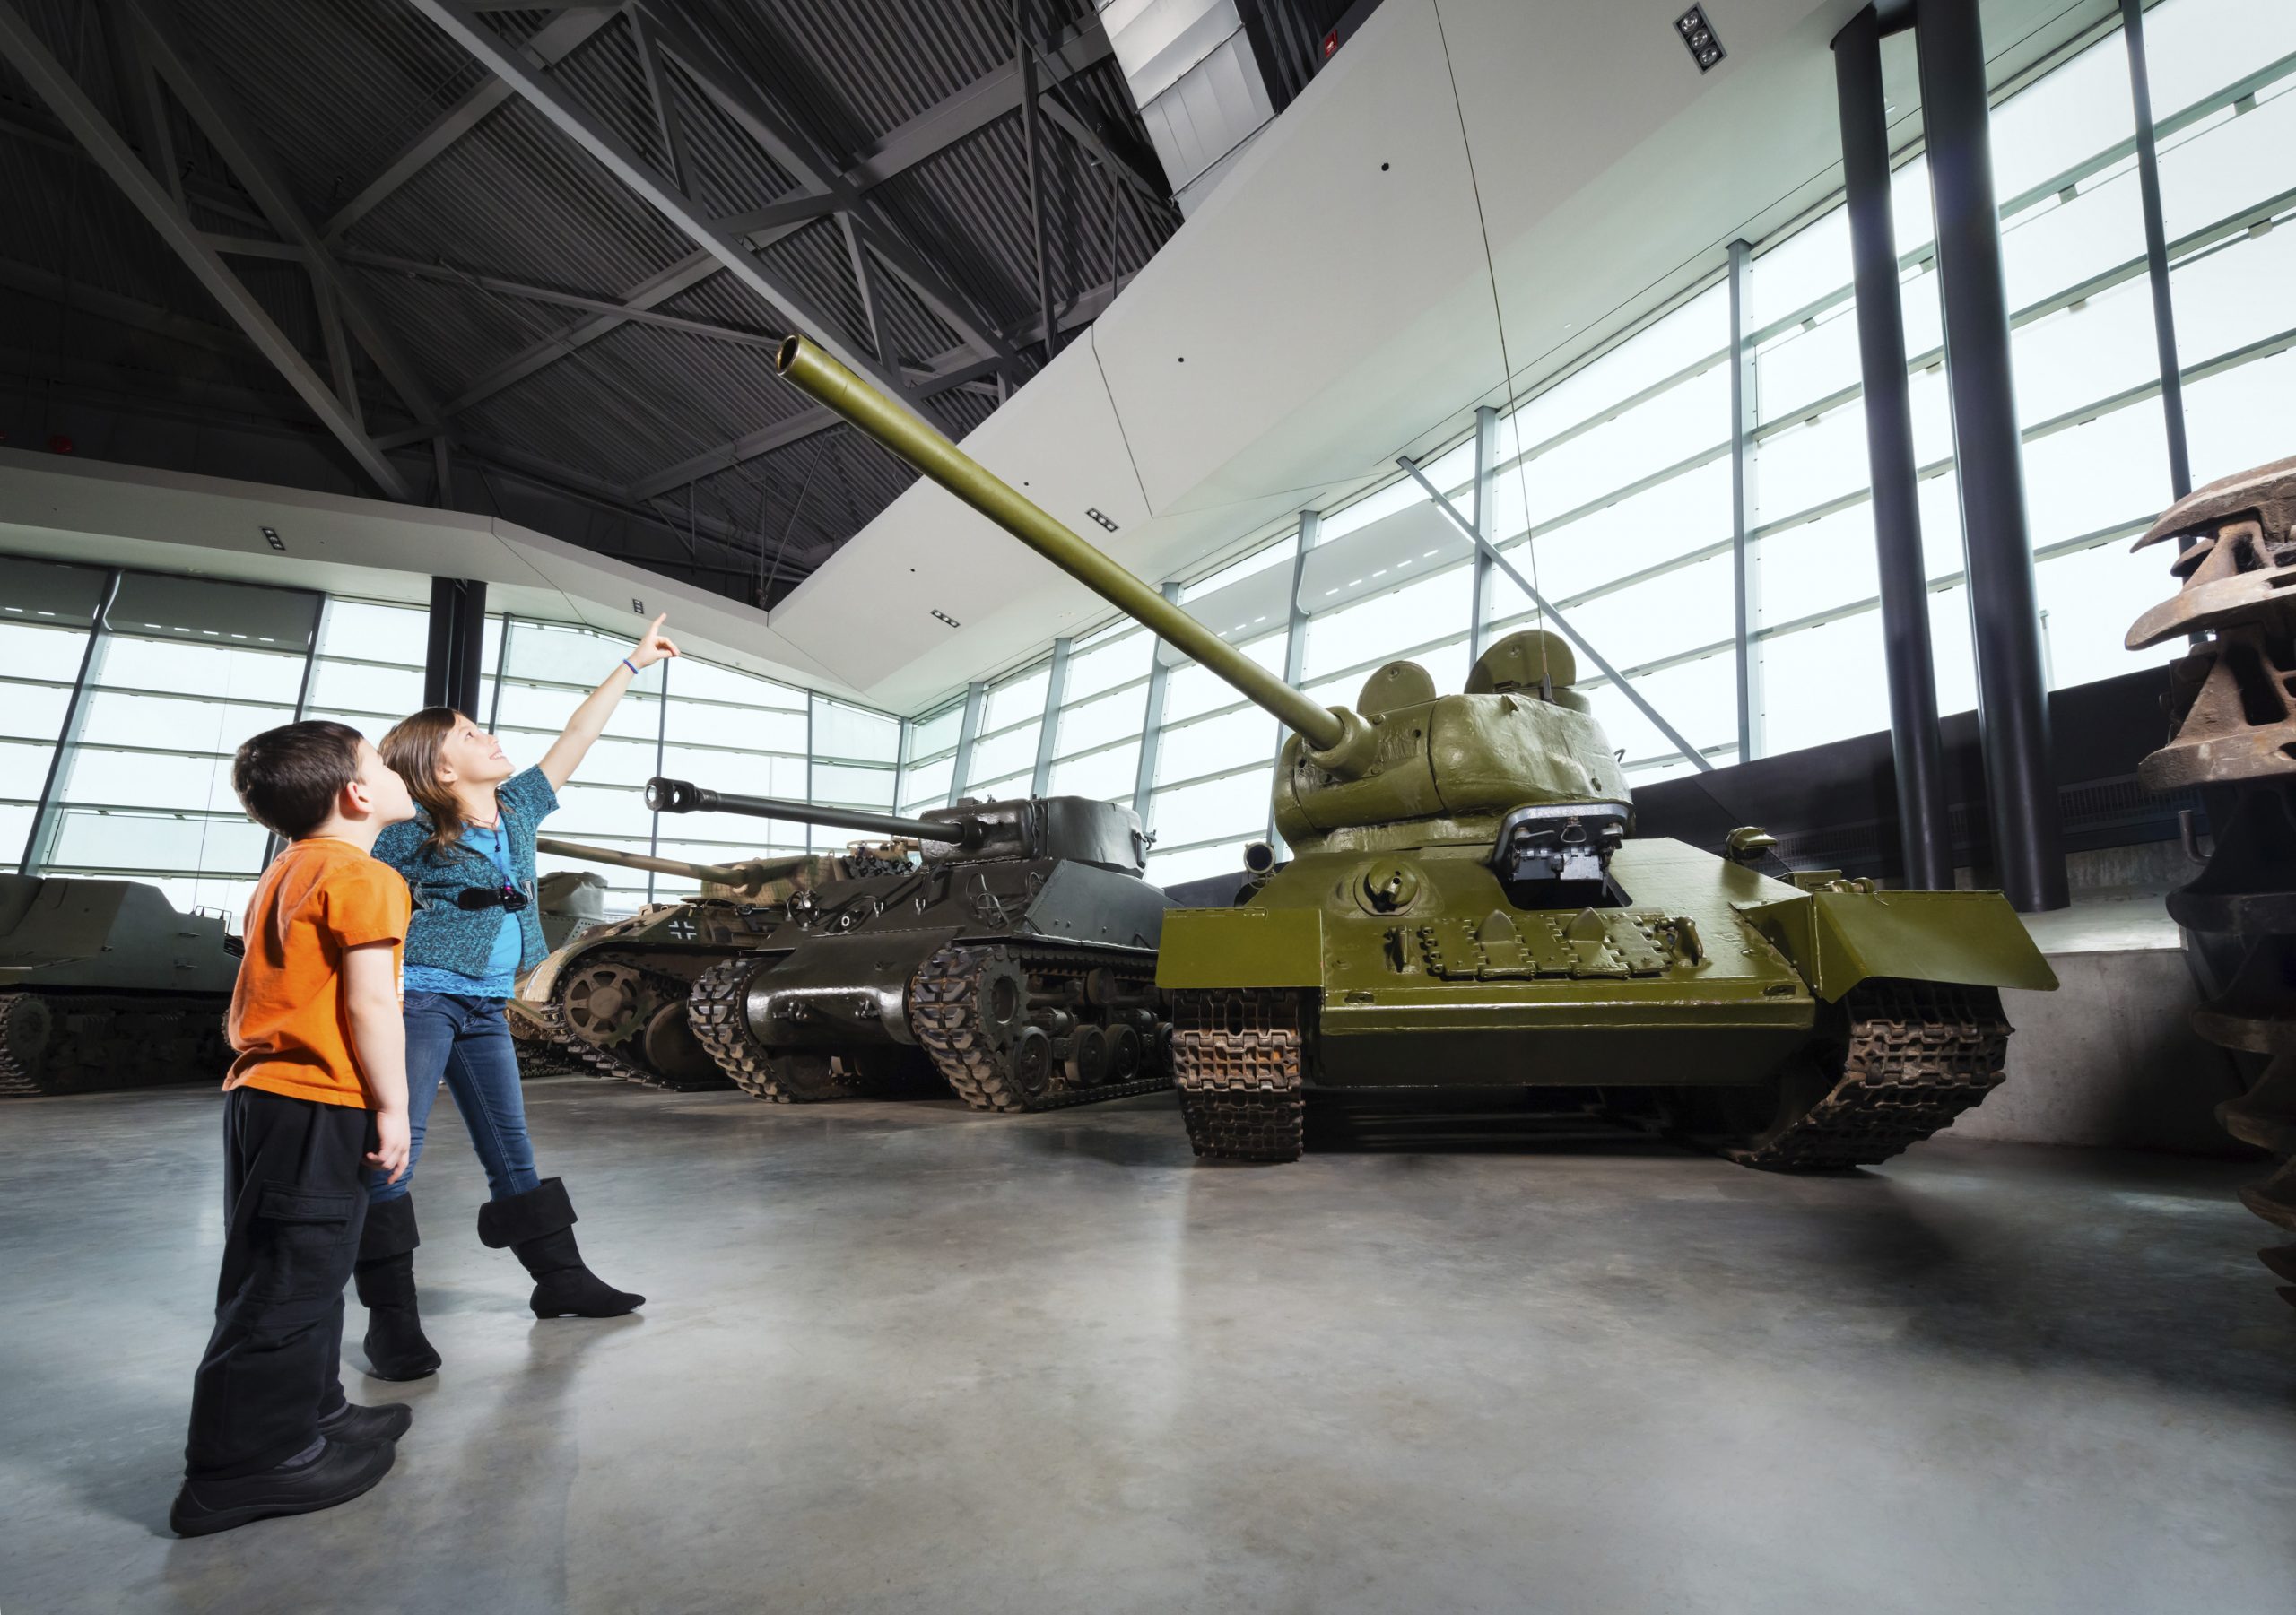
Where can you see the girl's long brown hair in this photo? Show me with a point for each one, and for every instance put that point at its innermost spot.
(412, 750)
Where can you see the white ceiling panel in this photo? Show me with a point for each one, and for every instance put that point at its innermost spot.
(115, 515)
(1344, 244)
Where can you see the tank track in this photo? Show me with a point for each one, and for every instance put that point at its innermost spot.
(206, 1053)
(1238, 1057)
(942, 996)
(714, 1010)
(606, 1062)
(1919, 1055)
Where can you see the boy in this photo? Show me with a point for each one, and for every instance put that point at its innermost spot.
(317, 1093)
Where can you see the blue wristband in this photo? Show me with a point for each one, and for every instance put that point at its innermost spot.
(626, 662)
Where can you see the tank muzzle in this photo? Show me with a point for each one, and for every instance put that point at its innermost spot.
(672, 795)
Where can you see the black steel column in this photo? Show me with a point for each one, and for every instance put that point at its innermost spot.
(457, 642)
(1925, 830)
(2156, 248)
(2004, 620)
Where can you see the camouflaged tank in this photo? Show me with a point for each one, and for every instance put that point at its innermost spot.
(613, 996)
(569, 902)
(1016, 960)
(1466, 907)
(104, 984)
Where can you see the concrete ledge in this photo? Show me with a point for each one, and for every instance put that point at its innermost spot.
(2110, 1058)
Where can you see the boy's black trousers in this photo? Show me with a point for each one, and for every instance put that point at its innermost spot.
(293, 1205)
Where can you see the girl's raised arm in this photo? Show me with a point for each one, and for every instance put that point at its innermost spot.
(589, 720)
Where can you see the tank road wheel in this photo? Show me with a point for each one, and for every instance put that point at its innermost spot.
(977, 1012)
(1906, 1058)
(1124, 1054)
(799, 1076)
(1032, 1065)
(969, 1008)
(1237, 1059)
(27, 1026)
(1088, 1057)
(676, 1054)
(605, 1004)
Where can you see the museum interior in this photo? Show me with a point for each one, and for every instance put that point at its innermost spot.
(1412, 805)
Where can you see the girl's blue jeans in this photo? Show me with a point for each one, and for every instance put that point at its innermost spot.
(465, 1042)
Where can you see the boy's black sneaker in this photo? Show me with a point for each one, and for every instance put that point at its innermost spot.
(358, 1426)
(338, 1474)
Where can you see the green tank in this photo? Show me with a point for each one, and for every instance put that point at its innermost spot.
(1467, 908)
(612, 997)
(104, 984)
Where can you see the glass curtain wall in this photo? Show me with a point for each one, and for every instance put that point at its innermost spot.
(1612, 486)
(182, 670)
(169, 676)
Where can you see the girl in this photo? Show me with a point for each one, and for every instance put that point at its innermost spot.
(468, 855)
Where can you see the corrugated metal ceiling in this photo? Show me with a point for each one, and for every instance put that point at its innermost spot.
(336, 94)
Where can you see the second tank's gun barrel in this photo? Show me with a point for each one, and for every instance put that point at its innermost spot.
(724, 874)
(683, 796)
(814, 371)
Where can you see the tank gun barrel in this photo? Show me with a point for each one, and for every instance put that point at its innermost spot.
(683, 796)
(724, 874)
(814, 371)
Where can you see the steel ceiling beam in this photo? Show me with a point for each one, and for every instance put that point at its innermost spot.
(587, 302)
(463, 24)
(24, 50)
(740, 100)
(1032, 161)
(937, 128)
(968, 111)
(948, 370)
(203, 95)
(580, 485)
(553, 44)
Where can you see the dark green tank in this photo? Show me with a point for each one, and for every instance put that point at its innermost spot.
(1015, 960)
(1467, 908)
(612, 997)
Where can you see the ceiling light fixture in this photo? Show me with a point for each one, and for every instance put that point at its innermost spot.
(271, 536)
(944, 617)
(1698, 35)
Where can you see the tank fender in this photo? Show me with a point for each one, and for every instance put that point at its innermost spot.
(1210, 948)
(1837, 938)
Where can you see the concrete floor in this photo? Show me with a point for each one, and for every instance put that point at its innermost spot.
(903, 1357)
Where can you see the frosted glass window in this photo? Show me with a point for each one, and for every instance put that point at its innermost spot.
(856, 787)
(1103, 665)
(1014, 752)
(1097, 723)
(1017, 699)
(1212, 744)
(855, 733)
(1107, 775)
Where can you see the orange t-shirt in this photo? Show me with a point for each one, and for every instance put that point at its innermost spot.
(290, 1020)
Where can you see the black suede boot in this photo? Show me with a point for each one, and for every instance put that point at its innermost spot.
(539, 1227)
(385, 1276)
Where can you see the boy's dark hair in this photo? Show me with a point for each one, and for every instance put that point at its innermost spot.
(288, 778)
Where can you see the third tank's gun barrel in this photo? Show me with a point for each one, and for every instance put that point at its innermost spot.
(683, 796)
(1340, 741)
